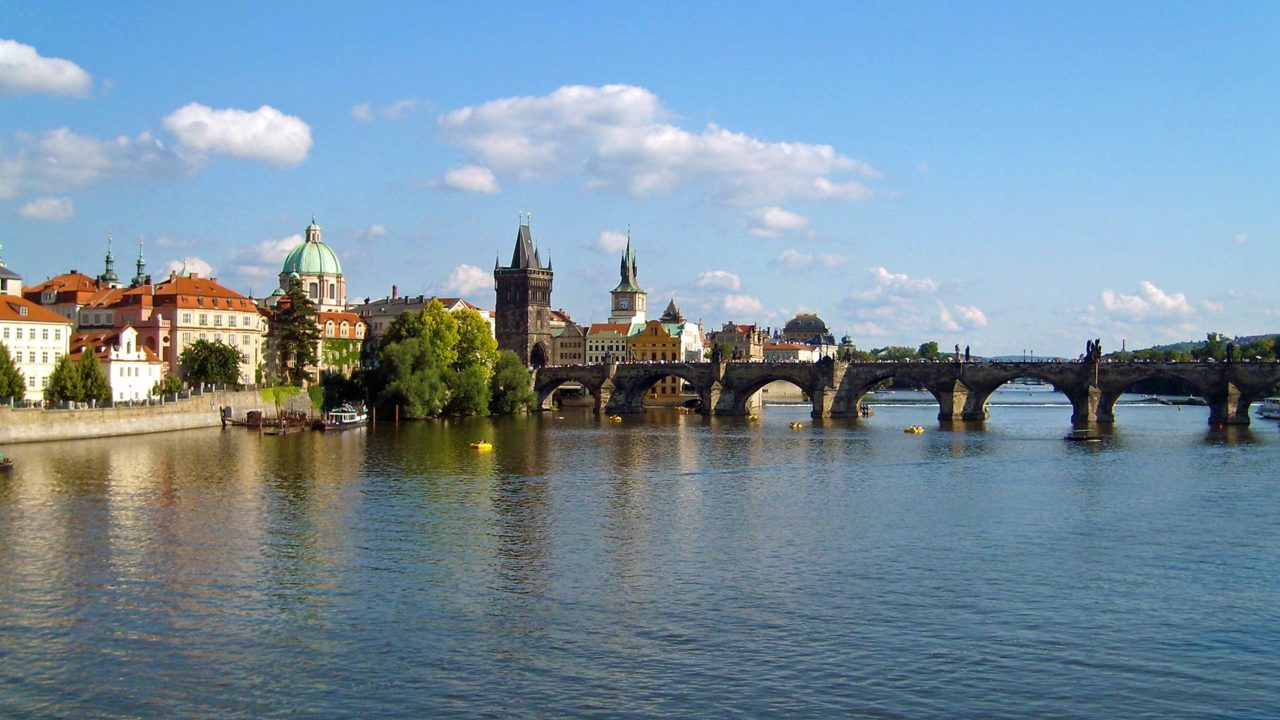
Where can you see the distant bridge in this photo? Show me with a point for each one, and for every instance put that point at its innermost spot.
(836, 388)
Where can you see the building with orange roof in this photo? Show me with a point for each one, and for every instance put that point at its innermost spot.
(132, 369)
(608, 341)
(36, 338)
(379, 314)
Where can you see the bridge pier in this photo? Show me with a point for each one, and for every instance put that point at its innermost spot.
(603, 395)
(1227, 405)
(709, 398)
(957, 402)
(1084, 405)
(824, 400)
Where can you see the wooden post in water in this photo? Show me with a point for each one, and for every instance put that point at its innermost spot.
(397, 414)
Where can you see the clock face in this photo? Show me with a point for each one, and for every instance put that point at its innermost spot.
(623, 303)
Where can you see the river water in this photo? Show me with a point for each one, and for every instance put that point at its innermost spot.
(663, 566)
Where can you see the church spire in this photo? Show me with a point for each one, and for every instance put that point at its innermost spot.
(109, 274)
(141, 277)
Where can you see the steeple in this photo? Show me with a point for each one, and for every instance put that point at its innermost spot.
(525, 256)
(109, 274)
(627, 269)
(141, 277)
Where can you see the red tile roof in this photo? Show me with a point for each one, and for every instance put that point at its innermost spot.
(11, 309)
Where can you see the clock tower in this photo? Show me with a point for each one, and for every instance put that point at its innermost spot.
(627, 301)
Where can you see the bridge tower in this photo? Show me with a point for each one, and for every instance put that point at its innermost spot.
(523, 307)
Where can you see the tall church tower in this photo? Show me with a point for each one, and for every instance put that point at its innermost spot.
(627, 303)
(524, 301)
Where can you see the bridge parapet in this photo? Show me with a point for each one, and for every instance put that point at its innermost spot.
(836, 388)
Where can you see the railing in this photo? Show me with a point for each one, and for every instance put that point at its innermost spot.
(150, 401)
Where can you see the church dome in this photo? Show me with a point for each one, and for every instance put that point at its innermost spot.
(312, 256)
(806, 324)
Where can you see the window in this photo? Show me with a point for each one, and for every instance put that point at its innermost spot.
(44, 357)
(44, 382)
(186, 338)
(204, 336)
(186, 318)
(313, 291)
(6, 333)
(31, 356)
(19, 333)
(246, 339)
(217, 337)
(204, 319)
(31, 381)
(44, 334)
(217, 320)
(333, 291)
(231, 320)
(57, 334)
(232, 338)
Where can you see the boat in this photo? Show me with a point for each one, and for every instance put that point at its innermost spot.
(6, 464)
(481, 445)
(343, 417)
(913, 429)
(797, 426)
(1270, 408)
(1083, 435)
(615, 418)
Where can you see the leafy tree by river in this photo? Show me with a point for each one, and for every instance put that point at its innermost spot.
(205, 361)
(78, 380)
(12, 383)
(435, 362)
(297, 333)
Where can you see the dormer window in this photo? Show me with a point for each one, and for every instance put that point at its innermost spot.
(22, 309)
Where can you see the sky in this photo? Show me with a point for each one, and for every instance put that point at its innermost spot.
(1014, 177)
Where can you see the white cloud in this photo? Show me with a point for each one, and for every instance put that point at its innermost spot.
(59, 159)
(889, 284)
(1150, 301)
(1213, 306)
(23, 71)
(192, 265)
(742, 304)
(793, 259)
(472, 178)
(263, 260)
(265, 134)
(48, 208)
(616, 137)
(960, 317)
(468, 279)
(1240, 239)
(832, 260)
(376, 230)
(170, 241)
(398, 110)
(610, 241)
(774, 221)
(720, 280)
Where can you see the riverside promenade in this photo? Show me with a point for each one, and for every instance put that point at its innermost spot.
(198, 410)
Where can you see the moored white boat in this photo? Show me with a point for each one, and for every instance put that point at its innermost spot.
(343, 417)
(1270, 408)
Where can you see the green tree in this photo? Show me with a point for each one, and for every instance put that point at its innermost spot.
(170, 384)
(511, 385)
(476, 346)
(440, 332)
(928, 350)
(66, 383)
(412, 379)
(205, 361)
(469, 392)
(13, 386)
(93, 382)
(297, 333)
(1214, 348)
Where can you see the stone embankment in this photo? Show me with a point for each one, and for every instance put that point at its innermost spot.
(198, 411)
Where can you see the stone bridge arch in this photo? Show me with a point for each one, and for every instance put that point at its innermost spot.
(632, 381)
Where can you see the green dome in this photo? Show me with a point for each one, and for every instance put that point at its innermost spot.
(312, 257)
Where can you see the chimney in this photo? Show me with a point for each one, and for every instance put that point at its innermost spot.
(395, 292)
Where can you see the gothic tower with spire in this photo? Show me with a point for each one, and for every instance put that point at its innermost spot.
(627, 301)
(523, 322)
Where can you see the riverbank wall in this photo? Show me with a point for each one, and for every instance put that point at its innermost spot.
(22, 425)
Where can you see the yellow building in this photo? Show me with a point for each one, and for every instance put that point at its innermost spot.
(659, 342)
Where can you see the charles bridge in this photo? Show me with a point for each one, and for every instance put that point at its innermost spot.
(836, 388)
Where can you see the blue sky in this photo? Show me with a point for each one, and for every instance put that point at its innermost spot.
(1008, 176)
